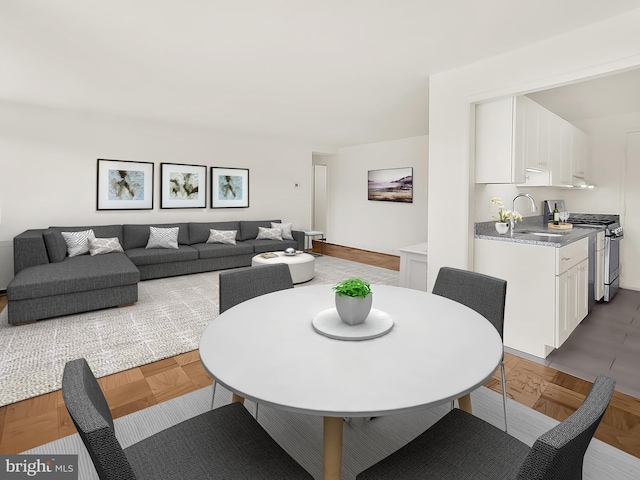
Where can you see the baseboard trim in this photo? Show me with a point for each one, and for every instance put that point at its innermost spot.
(358, 249)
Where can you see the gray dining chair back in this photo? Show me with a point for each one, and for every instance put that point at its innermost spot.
(559, 453)
(220, 444)
(461, 445)
(241, 284)
(482, 293)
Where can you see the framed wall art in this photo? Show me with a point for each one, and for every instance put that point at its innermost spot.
(229, 187)
(183, 186)
(391, 185)
(124, 185)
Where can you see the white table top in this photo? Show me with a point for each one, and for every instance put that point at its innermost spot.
(266, 350)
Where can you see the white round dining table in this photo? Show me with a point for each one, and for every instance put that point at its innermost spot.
(266, 350)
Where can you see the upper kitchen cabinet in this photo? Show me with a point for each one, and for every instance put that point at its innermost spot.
(519, 141)
(580, 157)
(500, 132)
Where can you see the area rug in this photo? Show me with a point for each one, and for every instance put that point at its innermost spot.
(167, 320)
(365, 442)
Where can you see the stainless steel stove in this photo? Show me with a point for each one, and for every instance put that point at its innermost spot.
(613, 234)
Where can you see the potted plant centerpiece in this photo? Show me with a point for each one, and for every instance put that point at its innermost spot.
(353, 300)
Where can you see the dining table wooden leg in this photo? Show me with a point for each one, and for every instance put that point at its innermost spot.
(236, 398)
(332, 448)
(464, 403)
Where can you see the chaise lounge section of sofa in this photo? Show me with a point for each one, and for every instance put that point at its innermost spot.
(48, 283)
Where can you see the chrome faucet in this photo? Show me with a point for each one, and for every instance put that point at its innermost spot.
(513, 209)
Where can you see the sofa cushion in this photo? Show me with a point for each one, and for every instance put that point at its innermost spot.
(78, 242)
(152, 256)
(217, 250)
(57, 247)
(222, 236)
(137, 236)
(76, 274)
(102, 246)
(261, 246)
(286, 229)
(199, 231)
(269, 234)
(249, 228)
(163, 237)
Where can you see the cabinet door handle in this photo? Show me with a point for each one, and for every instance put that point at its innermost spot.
(564, 259)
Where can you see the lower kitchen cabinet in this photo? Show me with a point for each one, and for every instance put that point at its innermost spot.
(571, 300)
(547, 290)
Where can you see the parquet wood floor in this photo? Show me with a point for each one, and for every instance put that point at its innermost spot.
(35, 421)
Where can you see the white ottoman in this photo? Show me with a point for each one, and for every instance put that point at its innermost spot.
(301, 265)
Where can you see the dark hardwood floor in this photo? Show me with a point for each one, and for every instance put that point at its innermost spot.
(42, 419)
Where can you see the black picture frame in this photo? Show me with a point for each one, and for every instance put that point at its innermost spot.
(229, 187)
(124, 185)
(183, 186)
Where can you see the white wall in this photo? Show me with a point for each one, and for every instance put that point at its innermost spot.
(606, 46)
(354, 221)
(48, 170)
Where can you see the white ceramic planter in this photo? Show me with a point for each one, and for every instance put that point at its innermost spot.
(353, 310)
(502, 228)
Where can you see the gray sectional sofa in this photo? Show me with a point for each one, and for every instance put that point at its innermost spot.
(48, 283)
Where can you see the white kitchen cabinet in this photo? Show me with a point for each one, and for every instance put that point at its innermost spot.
(580, 156)
(519, 141)
(499, 145)
(599, 276)
(547, 290)
(571, 300)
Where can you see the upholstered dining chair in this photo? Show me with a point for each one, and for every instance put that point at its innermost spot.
(482, 293)
(462, 446)
(242, 284)
(219, 444)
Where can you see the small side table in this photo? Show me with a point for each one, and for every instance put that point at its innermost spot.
(309, 235)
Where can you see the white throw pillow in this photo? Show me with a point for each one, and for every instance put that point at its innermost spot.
(286, 229)
(222, 236)
(100, 246)
(78, 242)
(269, 234)
(163, 237)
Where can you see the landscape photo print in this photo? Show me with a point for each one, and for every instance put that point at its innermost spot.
(391, 185)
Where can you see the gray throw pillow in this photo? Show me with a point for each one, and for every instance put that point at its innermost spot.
(77, 242)
(269, 234)
(222, 236)
(163, 237)
(286, 229)
(101, 246)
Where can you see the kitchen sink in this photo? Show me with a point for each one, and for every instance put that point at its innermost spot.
(539, 234)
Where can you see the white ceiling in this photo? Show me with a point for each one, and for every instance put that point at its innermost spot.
(602, 97)
(340, 72)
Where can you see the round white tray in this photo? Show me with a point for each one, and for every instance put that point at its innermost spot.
(329, 324)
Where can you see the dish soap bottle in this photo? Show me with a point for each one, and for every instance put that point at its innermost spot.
(556, 214)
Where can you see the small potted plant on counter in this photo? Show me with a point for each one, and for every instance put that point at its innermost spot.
(504, 216)
(353, 300)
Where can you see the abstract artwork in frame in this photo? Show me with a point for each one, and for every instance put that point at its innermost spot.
(183, 186)
(229, 187)
(391, 185)
(124, 185)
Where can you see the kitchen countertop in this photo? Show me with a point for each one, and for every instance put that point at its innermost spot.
(487, 231)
